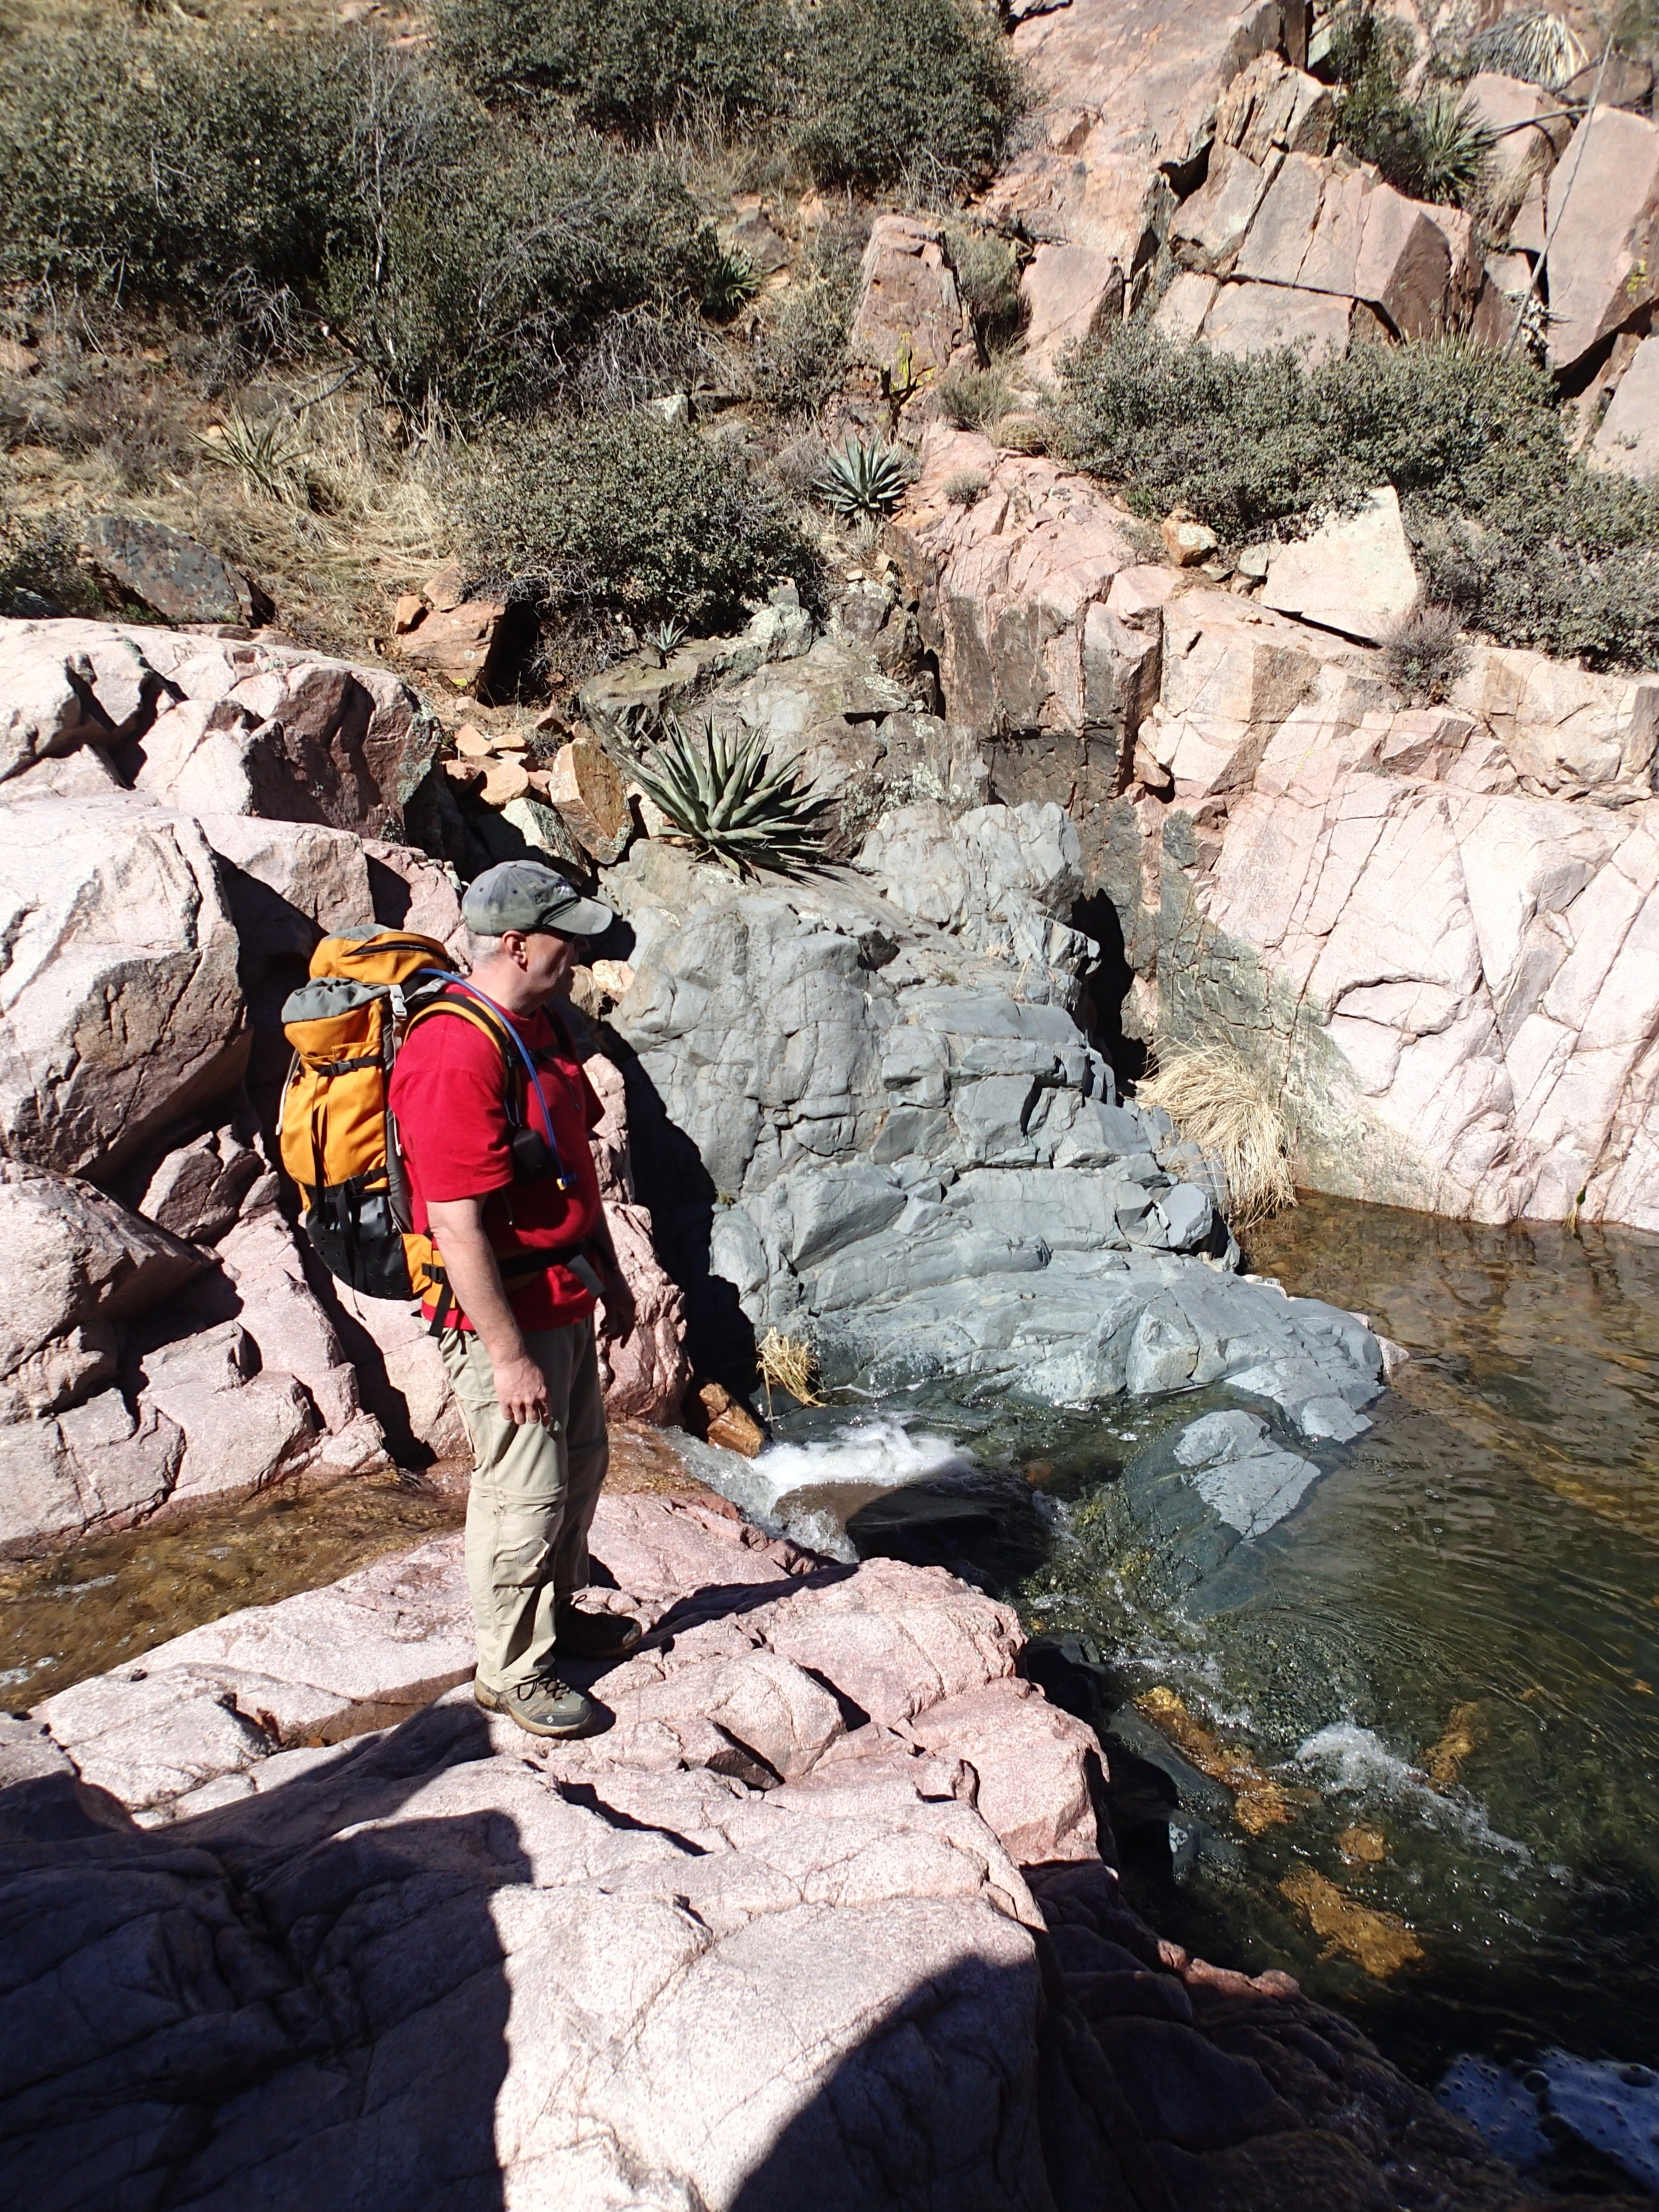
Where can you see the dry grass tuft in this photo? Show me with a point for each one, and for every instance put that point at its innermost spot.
(1218, 1103)
(787, 1362)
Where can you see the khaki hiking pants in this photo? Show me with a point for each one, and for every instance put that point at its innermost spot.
(533, 1494)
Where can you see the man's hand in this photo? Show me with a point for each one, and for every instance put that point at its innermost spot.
(616, 1316)
(521, 1391)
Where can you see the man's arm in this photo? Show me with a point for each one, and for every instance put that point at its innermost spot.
(458, 1230)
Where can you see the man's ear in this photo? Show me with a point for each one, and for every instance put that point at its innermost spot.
(513, 944)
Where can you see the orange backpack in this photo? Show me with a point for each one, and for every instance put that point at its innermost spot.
(339, 1138)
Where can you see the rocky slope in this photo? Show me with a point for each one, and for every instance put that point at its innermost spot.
(829, 1915)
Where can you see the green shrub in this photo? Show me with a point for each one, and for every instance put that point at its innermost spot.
(1433, 148)
(158, 166)
(988, 278)
(798, 356)
(625, 514)
(630, 65)
(492, 270)
(1512, 529)
(925, 90)
(469, 267)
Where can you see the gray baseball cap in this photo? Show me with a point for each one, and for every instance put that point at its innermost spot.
(523, 895)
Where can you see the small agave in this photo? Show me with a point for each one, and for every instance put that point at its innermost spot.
(725, 798)
(863, 481)
(732, 283)
(663, 638)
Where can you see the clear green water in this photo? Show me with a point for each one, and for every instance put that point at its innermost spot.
(1484, 1564)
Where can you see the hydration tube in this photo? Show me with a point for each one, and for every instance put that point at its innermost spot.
(534, 1079)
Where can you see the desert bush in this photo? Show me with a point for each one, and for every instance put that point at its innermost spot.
(962, 486)
(1424, 655)
(240, 179)
(628, 65)
(155, 166)
(1514, 531)
(483, 283)
(973, 398)
(988, 278)
(1219, 1104)
(799, 355)
(927, 91)
(1433, 148)
(625, 515)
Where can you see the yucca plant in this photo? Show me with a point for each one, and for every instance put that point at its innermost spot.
(1454, 146)
(1538, 47)
(864, 481)
(724, 797)
(265, 456)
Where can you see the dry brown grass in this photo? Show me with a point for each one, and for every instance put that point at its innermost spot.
(347, 508)
(1218, 1103)
(787, 1362)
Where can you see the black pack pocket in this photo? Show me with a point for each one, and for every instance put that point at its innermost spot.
(358, 1240)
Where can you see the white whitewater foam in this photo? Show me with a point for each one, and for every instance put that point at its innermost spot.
(1350, 1759)
(877, 1452)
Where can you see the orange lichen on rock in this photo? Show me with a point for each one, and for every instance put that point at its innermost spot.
(1460, 1739)
(1362, 1846)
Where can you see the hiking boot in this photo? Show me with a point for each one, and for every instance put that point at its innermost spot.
(543, 1707)
(579, 1635)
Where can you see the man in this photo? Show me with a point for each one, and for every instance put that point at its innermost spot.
(518, 1339)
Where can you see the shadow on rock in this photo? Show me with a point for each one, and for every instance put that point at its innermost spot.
(252, 2009)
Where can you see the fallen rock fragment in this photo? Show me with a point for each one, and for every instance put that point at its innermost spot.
(1354, 574)
(589, 791)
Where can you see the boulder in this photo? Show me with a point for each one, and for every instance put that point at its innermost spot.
(646, 1378)
(123, 1009)
(1354, 573)
(1562, 728)
(837, 1064)
(1068, 292)
(455, 642)
(910, 318)
(291, 1331)
(1013, 589)
(171, 575)
(1504, 106)
(1209, 227)
(1121, 105)
(588, 787)
(1324, 226)
(76, 1261)
(1602, 202)
(200, 1187)
(1270, 109)
(64, 685)
(241, 1430)
(217, 725)
(98, 1465)
(1251, 318)
(1628, 437)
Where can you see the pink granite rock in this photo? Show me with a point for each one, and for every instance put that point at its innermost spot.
(910, 318)
(1602, 201)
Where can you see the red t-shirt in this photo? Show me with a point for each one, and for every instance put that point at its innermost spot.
(449, 1094)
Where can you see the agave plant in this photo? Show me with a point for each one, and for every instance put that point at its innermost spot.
(663, 638)
(864, 481)
(732, 283)
(723, 795)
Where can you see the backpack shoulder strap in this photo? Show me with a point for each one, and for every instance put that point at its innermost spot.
(477, 1016)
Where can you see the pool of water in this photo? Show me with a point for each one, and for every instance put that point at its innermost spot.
(1434, 1715)
(106, 1600)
